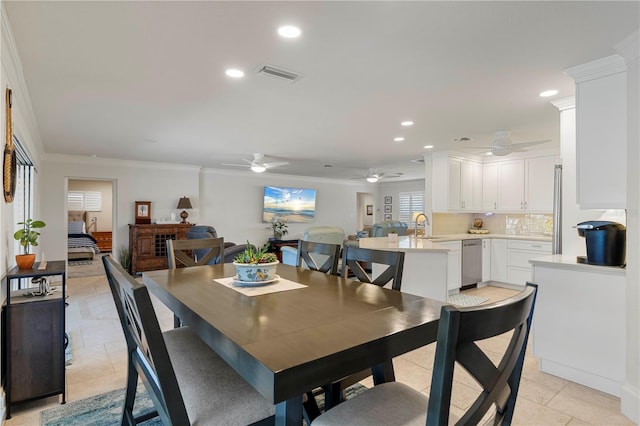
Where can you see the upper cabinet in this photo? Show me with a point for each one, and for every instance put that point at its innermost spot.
(601, 133)
(457, 184)
(526, 185)
(512, 185)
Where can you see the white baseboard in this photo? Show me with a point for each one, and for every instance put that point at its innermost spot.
(603, 384)
(630, 401)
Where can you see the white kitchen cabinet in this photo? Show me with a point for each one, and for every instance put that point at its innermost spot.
(601, 133)
(454, 265)
(526, 185)
(498, 259)
(457, 184)
(519, 253)
(486, 259)
(489, 187)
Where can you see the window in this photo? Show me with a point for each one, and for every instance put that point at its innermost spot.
(25, 178)
(410, 203)
(84, 200)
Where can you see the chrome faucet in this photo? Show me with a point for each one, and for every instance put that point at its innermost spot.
(426, 220)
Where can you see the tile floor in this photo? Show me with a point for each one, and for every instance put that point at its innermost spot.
(99, 365)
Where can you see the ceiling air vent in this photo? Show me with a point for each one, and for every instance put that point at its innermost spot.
(278, 72)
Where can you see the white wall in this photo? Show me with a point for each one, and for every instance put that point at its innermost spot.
(161, 184)
(393, 189)
(104, 217)
(232, 203)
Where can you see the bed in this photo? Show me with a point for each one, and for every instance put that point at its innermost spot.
(80, 244)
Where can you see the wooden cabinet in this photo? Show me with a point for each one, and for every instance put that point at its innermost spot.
(518, 255)
(499, 260)
(601, 133)
(148, 245)
(33, 337)
(104, 240)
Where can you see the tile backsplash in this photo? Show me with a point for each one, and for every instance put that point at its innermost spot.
(512, 224)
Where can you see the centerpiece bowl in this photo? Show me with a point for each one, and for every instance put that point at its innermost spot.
(256, 265)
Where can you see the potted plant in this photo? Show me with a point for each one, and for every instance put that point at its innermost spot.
(124, 257)
(279, 229)
(28, 237)
(254, 265)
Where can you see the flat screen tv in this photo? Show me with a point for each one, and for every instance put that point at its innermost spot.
(289, 204)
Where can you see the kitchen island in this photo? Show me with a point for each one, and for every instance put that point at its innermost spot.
(425, 264)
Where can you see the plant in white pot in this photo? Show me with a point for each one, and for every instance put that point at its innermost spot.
(254, 265)
(27, 238)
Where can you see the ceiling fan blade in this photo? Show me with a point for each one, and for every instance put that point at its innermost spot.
(236, 165)
(276, 164)
(525, 144)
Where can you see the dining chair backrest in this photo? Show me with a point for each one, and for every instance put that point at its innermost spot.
(147, 351)
(353, 257)
(184, 251)
(458, 333)
(321, 257)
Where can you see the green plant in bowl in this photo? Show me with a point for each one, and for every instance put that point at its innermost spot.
(253, 265)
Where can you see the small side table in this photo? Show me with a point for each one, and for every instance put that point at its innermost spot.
(274, 246)
(33, 336)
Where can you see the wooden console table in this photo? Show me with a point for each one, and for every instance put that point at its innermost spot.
(275, 245)
(33, 337)
(148, 245)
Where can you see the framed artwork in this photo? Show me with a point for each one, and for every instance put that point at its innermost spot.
(387, 217)
(387, 208)
(387, 199)
(369, 209)
(143, 212)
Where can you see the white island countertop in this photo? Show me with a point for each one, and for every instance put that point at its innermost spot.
(405, 243)
(569, 262)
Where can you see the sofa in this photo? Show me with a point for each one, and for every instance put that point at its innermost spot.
(316, 234)
(382, 229)
(231, 250)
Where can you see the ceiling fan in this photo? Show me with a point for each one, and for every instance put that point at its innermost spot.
(502, 145)
(374, 175)
(259, 163)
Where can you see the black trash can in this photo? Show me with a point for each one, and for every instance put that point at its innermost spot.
(606, 242)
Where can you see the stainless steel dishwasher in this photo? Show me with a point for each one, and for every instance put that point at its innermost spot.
(471, 262)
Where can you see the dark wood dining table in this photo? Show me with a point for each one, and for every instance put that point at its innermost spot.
(289, 342)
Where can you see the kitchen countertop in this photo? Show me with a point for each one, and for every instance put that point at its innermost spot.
(565, 261)
(411, 243)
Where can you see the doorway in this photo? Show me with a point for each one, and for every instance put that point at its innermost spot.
(90, 201)
(365, 209)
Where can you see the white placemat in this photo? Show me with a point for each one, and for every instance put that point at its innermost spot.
(280, 284)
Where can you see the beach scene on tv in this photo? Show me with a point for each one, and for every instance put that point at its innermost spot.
(289, 204)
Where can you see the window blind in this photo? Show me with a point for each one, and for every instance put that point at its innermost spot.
(410, 203)
(84, 200)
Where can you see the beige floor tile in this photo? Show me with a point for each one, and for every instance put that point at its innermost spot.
(589, 405)
(99, 365)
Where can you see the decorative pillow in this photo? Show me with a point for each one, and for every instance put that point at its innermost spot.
(76, 228)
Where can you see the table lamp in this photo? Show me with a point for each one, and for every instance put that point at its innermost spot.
(184, 203)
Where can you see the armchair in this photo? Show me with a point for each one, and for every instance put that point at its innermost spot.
(316, 234)
(231, 250)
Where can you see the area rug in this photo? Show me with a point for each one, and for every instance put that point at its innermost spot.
(106, 409)
(86, 268)
(465, 300)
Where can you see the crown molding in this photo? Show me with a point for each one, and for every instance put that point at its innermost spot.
(629, 48)
(599, 68)
(116, 162)
(565, 103)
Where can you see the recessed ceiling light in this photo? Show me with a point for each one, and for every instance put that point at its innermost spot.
(235, 73)
(428, 147)
(289, 31)
(399, 139)
(488, 153)
(407, 123)
(548, 93)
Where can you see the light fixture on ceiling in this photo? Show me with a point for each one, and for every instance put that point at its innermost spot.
(185, 204)
(428, 147)
(372, 179)
(289, 31)
(234, 73)
(399, 139)
(548, 93)
(258, 168)
(407, 123)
